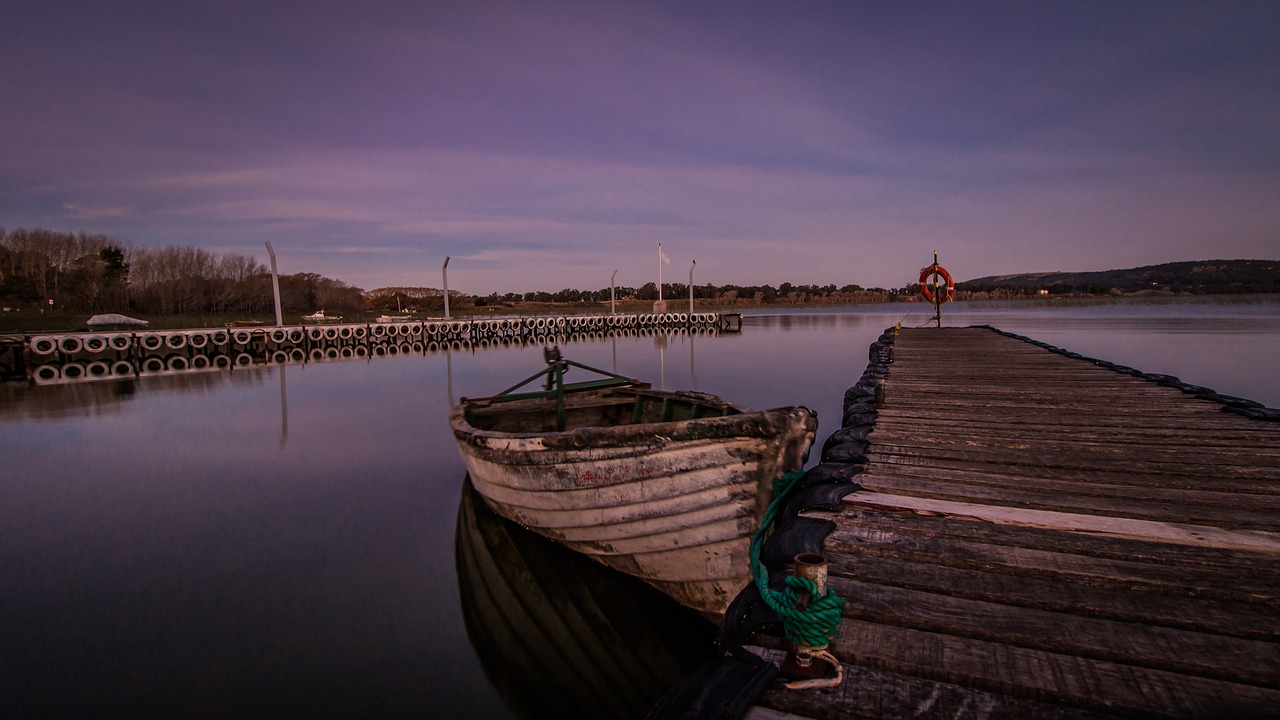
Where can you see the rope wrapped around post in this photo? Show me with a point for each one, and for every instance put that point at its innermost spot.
(810, 617)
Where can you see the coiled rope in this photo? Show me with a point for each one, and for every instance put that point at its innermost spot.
(813, 626)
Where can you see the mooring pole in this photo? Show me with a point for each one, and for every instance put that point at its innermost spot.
(691, 267)
(660, 256)
(275, 284)
(612, 284)
(799, 660)
(937, 292)
(444, 278)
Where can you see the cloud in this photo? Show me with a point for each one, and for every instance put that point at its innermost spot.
(80, 212)
(835, 143)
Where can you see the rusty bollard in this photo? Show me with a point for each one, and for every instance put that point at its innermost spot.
(799, 662)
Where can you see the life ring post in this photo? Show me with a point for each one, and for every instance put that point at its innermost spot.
(937, 303)
(933, 289)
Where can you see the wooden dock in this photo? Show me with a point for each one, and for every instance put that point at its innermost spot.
(1038, 535)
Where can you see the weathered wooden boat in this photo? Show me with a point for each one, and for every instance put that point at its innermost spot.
(665, 486)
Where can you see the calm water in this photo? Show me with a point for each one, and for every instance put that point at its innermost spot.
(293, 540)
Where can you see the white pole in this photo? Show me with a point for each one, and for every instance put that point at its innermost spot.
(275, 284)
(659, 272)
(444, 274)
(612, 294)
(691, 267)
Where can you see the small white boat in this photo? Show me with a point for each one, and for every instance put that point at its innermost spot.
(665, 486)
(320, 318)
(394, 318)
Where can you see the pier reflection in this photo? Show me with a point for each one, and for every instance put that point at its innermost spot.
(21, 402)
(559, 635)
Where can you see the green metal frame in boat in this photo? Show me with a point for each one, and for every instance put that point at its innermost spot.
(665, 486)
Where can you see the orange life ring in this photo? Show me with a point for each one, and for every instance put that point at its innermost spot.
(936, 270)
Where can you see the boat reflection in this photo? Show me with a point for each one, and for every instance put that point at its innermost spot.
(561, 636)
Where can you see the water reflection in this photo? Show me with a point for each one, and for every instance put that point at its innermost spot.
(284, 410)
(181, 561)
(561, 636)
(21, 402)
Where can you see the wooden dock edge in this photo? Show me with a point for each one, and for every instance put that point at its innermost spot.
(1230, 403)
(750, 633)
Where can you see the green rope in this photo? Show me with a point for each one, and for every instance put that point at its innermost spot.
(814, 626)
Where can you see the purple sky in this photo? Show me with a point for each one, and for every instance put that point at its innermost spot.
(544, 144)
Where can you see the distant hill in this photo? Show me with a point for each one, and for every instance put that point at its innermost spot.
(1199, 276)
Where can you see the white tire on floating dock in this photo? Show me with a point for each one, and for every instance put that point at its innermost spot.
(44, 345)
(46, 374)
(70, 344)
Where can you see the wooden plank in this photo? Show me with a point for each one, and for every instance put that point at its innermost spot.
(1213, 422)
(1193, 489)
(1225, 583)
(1006, 389)
(871, 522)
(1253, 621)
(1073, 681)
(1113, 508)
(1050, 454)
(1184, 444)
(1174, 650)
(1176, 438)
(889, 454)
(907, 466)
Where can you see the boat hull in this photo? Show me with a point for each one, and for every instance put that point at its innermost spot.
(672, 503)
(559, 635)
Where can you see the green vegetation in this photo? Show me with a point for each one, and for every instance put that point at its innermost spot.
(43, 270)
(1204, 277)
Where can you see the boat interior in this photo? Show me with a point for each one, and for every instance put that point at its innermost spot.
(612, 407)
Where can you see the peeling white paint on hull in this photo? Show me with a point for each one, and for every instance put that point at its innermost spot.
(673, 503)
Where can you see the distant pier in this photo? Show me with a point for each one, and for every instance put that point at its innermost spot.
(1019, 531)
(73, 357)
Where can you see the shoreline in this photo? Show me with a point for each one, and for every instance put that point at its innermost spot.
(33, 322)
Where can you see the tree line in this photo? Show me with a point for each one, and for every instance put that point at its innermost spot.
(88, 272)
(786, 293)
(91, 272)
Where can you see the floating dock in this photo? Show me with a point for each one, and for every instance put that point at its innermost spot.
(73, 357)
(1019, 531)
